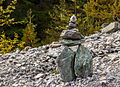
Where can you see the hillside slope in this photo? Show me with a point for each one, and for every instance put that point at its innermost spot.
(35, 67)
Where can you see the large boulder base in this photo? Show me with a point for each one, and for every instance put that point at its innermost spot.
(83, 62)
(65, 64)
(112, 27)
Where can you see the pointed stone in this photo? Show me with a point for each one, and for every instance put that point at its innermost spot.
(73, 19)
(65, 64)
(83, 62)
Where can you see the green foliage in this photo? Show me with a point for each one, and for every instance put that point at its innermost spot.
(1, 1)
(29, 34)
(41, 18)
(60, 16)
(52, 16)
(98, 12)
(90, 14)
(59, 19)
(8, 45)
(54, 72)
(7, 8)
(88, 25)
(103, 9)
(5, 14)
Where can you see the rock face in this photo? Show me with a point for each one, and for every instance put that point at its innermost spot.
(73, 34)
(112, 27)
(65, 63)
(83, 62)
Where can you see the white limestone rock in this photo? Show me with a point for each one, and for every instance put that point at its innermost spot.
(112, 27)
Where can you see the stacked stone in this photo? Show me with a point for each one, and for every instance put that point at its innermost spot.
(73, 64)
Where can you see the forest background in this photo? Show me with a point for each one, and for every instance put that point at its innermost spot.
(39, 22)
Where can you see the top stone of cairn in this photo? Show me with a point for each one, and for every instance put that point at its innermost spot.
(72, 22)
(73, 19)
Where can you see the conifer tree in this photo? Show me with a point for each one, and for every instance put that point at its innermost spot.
(29, 34)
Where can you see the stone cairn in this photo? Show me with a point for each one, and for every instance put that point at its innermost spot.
(72, 64)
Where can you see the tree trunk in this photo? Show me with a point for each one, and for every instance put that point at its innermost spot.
(41, 1)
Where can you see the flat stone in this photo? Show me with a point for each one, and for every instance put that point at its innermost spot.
(55, 45)
(27, 48)
(102, 79)
(18, 65)
(83, 62)
(39, 75)
(65, 64)
(112, 27)
(71, 42)
(10, 60)
(73, 34)
(71, 26)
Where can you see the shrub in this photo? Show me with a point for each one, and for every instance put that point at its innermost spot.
(8, 45)
(29, 34)
(98, 12)
(5, 14)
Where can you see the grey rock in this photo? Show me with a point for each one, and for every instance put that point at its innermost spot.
(104, 25)
(103, 79)
(83, 62)
(33, 49)
(18, 51)
(73, 34)
(71, 26)
(55, 45)
(27, 48)
(39, 75)
(52, 53)
(74, 48)
(65, 64)
(45, 47)
(72, 21)
(112, 27)
(117, 49)
(22, 52)
(73, 18)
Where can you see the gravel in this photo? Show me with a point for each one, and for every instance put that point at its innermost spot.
(36, 67)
